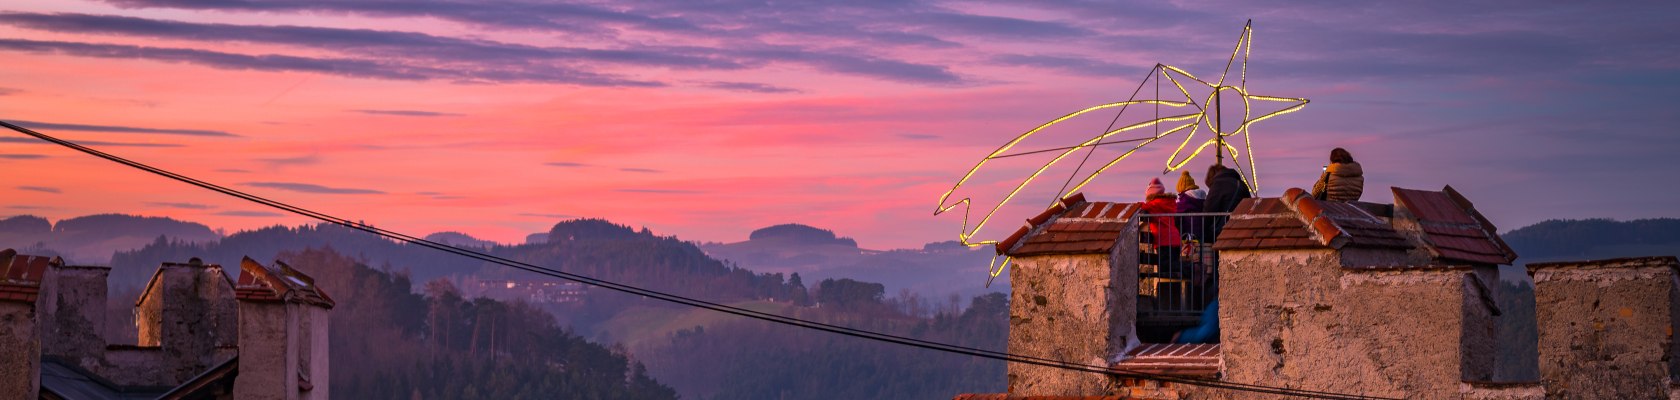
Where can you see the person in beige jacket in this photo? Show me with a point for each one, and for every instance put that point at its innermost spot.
(1342, 180)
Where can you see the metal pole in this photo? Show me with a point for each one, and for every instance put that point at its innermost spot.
(1218, 127)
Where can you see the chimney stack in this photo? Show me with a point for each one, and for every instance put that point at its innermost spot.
(282, 334)
(188, 310)
(20, 339)
(72, 314)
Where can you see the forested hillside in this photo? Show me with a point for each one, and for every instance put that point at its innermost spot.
(435, 341)
(1558, 240)
(389, 342)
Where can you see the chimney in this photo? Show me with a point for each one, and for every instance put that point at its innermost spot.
(20, 343)
(72, 314)
(282, 334)
(188, 311)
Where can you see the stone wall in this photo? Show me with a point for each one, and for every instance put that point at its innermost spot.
(20, 351)
(313, 363)
(266, 355)
(1606, 327)
(1070, 308)
(188, 310)
(72, 313)
(133, 366)
(1299, 316)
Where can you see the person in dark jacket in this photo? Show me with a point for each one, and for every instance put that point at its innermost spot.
(1342, 180)
(1225, 190)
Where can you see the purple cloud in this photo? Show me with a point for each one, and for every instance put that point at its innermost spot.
(311, 188)
(118, 129)
(659, 191)
(748, 87)
(94, 143)
(408, 113)
(242, 213)
(42, 189)
(184, 206)
(290, 161)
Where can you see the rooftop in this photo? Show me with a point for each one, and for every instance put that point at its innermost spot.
(20, 275)
(1453, 228)
(1297, 220)
(259, 282)
(1072, 226)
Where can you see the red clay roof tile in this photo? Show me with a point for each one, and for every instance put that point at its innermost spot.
(1331, 224)
(1075, 228)
(1451, 226)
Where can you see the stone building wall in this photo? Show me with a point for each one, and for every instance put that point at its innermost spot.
(72, 311)
(1070, 308)
(1299, 316)
(20, 350)
(133, 366)
(1606, 327)
(188, 310)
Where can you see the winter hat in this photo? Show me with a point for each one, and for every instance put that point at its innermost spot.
(1185, 182)
(1155, 188)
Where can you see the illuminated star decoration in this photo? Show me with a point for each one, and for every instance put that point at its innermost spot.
(1196, 115)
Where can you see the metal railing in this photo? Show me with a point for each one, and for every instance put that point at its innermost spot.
(1178, 269)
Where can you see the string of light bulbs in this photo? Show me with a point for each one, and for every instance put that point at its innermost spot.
(1195, 115)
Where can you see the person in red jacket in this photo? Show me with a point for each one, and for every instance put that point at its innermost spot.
(1162, 230)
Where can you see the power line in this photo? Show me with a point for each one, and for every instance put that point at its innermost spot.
(678, 299)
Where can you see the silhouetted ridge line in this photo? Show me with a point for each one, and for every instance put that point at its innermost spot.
(1003, 356)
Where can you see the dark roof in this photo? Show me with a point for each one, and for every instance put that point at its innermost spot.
(1072, 226)
(20, 275)
(62, 381)
(207, 384)
(1452, 228)
(1193, 360)
(1297, 220)
(259, 282)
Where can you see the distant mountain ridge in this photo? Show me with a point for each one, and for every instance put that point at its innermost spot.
(94, 238)
(453, 238)
(799, 234)
(936, 269)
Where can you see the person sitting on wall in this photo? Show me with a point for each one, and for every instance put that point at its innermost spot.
(1342, 180)
(1164, 230)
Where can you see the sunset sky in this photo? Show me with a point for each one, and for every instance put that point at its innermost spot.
(707, 119)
